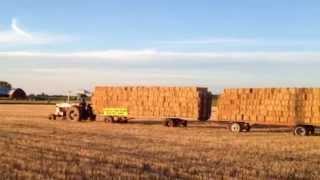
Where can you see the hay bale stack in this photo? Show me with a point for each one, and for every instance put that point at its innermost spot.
(285, 106)
(157, 102)
(308, 106)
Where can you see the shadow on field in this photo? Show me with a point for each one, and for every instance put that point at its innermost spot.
(191, 124)
(205, 125)
(145, 122)
(215, 125)
(277, 129)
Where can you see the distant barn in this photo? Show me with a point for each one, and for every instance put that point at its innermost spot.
(17, 94)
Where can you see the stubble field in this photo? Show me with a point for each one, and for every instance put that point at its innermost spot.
(32, 147)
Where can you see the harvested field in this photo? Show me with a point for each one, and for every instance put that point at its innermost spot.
(33, 147)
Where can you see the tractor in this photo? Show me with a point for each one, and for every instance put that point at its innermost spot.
(74, 111)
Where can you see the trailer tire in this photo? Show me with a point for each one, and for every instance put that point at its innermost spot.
(246, 127)
(125, 120)
(122, 120)
(116, 119)
(300, 131)
(311, 130)
(108, 119)
(185, 123)
(235, 127)
(169, 123)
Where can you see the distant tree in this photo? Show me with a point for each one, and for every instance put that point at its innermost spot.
(39, 97)
(5, 84)
(32, 96)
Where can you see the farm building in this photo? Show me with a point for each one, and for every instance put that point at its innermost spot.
(17, 94)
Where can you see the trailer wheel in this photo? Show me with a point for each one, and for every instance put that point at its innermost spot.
(108, 119)
(300, 131)
(246, 127)
(181, 122)
(311, 130)
(125, 120)
(169, 123)
(235, 127)
(185, 123)
(122, 120)
(117, 119)
(52, 117)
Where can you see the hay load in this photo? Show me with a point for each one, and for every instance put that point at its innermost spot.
(283, 106)
(156, 102)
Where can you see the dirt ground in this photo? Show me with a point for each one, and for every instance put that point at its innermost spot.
(32, 147)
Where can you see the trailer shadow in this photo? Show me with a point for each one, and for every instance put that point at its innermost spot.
(145, 122)
(191, 124)
(205, 125)
(214, 125)
(270, 128)
(256, 128)
(278, 129)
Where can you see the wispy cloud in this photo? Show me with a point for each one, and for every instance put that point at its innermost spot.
(18, 30)
(208, 41)
(242, 43)
(16, 36)
(156, 55)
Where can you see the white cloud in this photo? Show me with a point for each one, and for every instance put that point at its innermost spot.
(16, 36)
(208, 41)
(63, 73)
(155, 55)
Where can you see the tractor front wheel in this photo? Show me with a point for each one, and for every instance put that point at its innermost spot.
(52, 117)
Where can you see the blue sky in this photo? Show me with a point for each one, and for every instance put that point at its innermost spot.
(57, 46)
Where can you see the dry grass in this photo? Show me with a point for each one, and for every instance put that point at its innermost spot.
(35, 148)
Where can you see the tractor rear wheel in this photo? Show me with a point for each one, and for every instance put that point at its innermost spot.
(73, 114)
